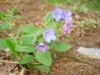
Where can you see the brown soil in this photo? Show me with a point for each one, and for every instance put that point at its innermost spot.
(67, 63)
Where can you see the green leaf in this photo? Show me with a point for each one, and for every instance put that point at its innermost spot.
(11, 45)
(3, 44)
(30, 66)
(2, 15)
(43, 68)
(59, 24)
(50, 45)
(56, 31)
(28, 48)
(14, 11)
(47, 19)
(26, 39)
(61, 47)
(28, 29)
(13, 56)
(26, 59)
(44, 58)
(4, 25)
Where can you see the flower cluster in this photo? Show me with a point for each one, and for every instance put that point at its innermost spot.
(49, 34)
(65, 15)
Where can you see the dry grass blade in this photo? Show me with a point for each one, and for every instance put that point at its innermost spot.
(22, 71)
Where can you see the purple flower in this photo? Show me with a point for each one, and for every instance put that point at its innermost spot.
(66, 16)
(67, 27)
(41, 47)
(49, 35)
(57, 14)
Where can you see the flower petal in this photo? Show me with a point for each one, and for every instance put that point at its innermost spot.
(48, 35)
(67, 19)
(57, 14)
(53, 37)
(41, 47)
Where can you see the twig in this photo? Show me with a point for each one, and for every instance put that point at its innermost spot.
(15, 62)
(7, 61)
(84, 61)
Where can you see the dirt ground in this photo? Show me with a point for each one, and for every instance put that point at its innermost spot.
(67, 63)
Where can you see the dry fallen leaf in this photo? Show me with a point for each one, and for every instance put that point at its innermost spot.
(77, 17)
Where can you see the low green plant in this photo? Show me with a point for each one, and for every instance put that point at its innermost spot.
(85, 22)
(34, 46)
(94, 4)
(79, 5)
(61, 1)
(7, 19)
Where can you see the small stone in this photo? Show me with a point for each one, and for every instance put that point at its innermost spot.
(90, 52)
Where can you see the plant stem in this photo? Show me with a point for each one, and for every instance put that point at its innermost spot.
(9, 24)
